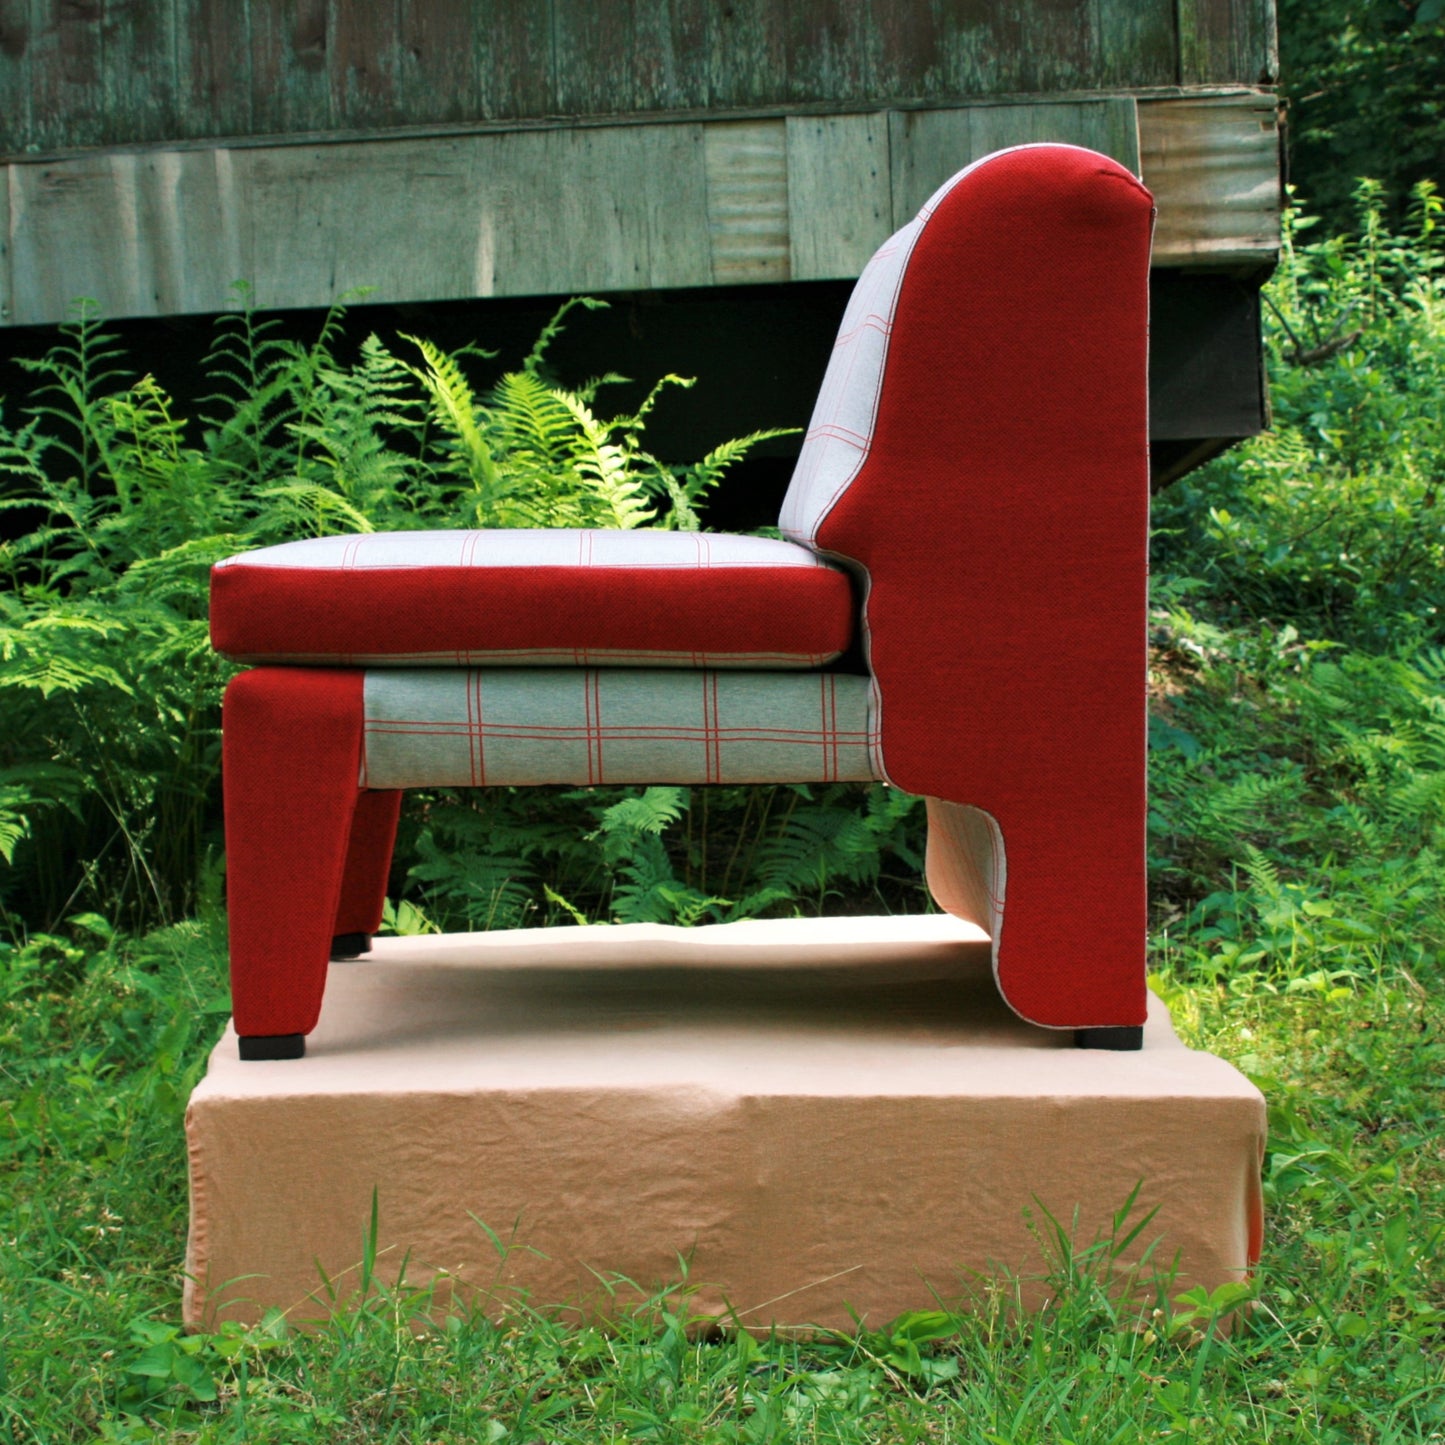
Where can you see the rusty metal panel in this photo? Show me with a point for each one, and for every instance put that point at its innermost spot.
(1227, 41)
(840, 203)
(746, 166)
(1213, 165)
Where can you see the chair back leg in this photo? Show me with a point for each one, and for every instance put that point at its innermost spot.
(368, 862)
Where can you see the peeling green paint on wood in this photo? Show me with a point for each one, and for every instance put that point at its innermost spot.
(91, 73)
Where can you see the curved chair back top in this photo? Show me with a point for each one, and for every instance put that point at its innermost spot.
(994, 194)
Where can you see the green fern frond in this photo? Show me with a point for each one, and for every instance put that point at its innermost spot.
(455, 408)
(534, 359)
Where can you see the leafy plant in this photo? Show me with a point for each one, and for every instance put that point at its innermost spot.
(109, 692)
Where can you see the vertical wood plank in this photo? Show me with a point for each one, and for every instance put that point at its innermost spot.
(438, 59)
(362, 57)
(1058, 47)
(514, 62)
(616, 207)
(911, 51)
(1138, 44)
(7, 291)
(66, 94)
(618, 57)
(840, 206)
(830, 52)
(1222, 41)
(70, 238)
(517, 213)
(189, 226)
(16, 120)
(927, 147)
(744, 54)
(746, 167)
(139, 75)
(290, 81)
(213, 60)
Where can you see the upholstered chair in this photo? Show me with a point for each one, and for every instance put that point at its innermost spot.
(967, 522)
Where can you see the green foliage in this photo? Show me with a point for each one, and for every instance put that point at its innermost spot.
(1333, 520)
(1365, 85)
(663, 854)
(109, 693)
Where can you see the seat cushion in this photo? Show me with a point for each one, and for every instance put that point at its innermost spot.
(538, 598)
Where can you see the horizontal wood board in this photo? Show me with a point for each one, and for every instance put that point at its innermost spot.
(108, 73)
(592, 209)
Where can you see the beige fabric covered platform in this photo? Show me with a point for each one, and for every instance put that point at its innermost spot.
(825, 1116)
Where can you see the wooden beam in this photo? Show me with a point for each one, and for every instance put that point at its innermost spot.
(591, 208)
(928, 146)
(7, 300)
(840, 196)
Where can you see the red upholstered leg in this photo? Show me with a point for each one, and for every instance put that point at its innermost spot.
(291, 758)
(1065, 906)
(368, 862)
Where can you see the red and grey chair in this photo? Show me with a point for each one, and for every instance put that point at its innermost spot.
(969, 515)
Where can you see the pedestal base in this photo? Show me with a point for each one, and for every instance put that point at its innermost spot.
(829, 1119)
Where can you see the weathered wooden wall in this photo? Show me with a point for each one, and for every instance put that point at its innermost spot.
(107, 73)
(597, 208)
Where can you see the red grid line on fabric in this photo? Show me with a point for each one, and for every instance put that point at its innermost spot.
(707, 734)
(712, 739)
(592, 692)
(830, 729)
(872, 322)
(475, 739)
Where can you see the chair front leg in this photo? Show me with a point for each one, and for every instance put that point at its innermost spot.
(291, 753)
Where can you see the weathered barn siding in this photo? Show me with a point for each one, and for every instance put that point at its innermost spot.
(104, 73)
(597, 208)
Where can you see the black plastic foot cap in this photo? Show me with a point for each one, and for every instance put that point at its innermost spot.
(273, 1046)
(1121, 1040)
(347, 946)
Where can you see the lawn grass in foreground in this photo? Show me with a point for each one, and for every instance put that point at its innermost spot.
(104, 1037)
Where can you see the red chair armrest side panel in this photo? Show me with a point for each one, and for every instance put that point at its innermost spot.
(1002, 517)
